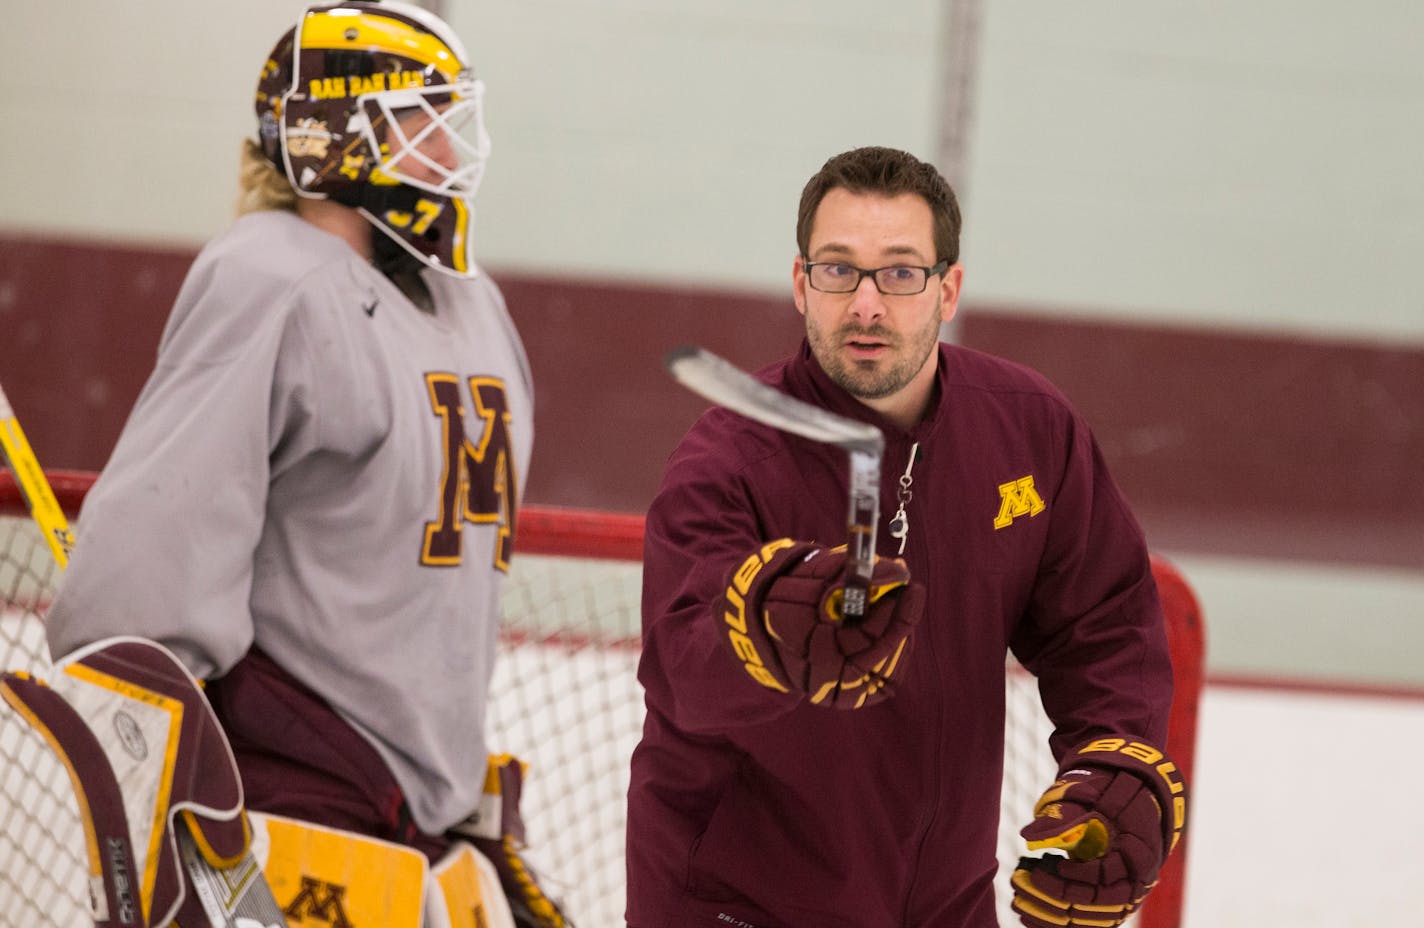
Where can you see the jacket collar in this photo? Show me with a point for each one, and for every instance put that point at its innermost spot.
(809, 381)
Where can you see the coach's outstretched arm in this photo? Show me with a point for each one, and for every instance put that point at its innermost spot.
(701, 581)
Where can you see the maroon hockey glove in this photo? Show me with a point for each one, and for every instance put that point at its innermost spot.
(1117, 808)
(781, 616)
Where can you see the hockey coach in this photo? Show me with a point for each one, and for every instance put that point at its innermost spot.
(797, 769)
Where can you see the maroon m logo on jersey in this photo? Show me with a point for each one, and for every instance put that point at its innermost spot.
(478, 483)
(319, 900)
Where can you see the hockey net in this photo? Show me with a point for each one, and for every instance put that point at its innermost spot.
(564, 698)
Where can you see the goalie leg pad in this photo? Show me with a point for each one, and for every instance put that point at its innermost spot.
(331, 876)
(497, 832)
(339, 877)
(469, 892)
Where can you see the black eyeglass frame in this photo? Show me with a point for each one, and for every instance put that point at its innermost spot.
(863, 273)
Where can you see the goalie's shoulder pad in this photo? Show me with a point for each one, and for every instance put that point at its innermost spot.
(1149, 764)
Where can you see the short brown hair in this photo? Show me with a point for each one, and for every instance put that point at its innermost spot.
(889, 172)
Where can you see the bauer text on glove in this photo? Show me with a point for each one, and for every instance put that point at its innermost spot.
(781, 616)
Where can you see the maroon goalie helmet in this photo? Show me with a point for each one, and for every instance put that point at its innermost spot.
(374, 105)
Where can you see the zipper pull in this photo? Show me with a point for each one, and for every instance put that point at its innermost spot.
(900, 522)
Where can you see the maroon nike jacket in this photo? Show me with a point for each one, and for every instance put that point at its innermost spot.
(754, 809)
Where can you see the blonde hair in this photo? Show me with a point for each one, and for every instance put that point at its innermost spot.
(261, 184)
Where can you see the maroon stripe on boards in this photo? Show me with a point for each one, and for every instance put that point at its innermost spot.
(1230, 443)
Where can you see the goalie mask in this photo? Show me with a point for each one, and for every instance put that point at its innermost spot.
(373, 105)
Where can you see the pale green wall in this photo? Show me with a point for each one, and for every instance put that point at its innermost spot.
(123, 119)
(1256, 164)
(1251, 165)
(632, 139)
(670, 140)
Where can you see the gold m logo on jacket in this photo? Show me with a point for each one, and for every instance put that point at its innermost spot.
(1019, 499)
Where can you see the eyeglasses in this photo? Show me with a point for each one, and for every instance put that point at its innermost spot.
(896, 280)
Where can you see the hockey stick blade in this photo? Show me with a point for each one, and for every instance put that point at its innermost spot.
(721, 382)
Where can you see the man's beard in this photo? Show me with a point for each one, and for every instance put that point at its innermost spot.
(872, 380)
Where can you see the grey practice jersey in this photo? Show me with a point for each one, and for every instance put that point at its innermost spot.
(317, 467)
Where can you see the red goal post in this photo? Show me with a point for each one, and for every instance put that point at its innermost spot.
(564, 698)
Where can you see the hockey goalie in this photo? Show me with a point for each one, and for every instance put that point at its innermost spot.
(312, 508)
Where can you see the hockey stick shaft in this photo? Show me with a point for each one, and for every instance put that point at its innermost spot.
(723, 383)
(39, 496)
